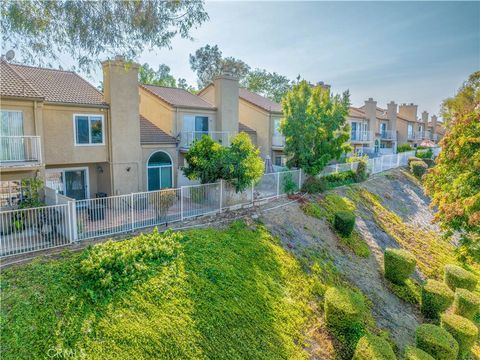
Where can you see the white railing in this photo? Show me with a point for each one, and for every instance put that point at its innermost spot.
(414, 135)
(20, 149)
(188, 137)
(278, 141)
(361, 136)
(388, 134)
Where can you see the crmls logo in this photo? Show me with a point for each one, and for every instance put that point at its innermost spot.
(66, 353)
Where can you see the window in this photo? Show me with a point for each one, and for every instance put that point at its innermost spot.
(410, 131)
(276, 127)
(159, 171)
(354, 131)
(89, 130)
(11, 129)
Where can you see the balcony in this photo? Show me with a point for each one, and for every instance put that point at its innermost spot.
(412, 136)
(188, 137)
(360, 136)
(278, 142)
(20, 151)
(388, 135)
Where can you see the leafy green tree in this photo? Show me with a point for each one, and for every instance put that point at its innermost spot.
(454, 183)
(160, 77)
(87, 30)
(269, 84)
(205, 160)
(315, 126)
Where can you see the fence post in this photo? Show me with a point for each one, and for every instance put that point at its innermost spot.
(181, 203)
(398, 160)
(300, 179)
(278, 184)
(132, 212)
(73, 220)
(221, 194)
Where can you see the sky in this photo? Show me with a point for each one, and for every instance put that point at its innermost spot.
(418, 52)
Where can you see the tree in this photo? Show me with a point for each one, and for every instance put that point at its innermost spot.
(315, 126)
(271, 85)
(239, 164)
(454, 182)
(87, 30)
(161, 77)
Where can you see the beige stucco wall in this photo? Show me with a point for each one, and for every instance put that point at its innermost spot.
(157, 111)
(181, 112)
(208, 94)
(260, 121)
(148, 150)
(27, 107)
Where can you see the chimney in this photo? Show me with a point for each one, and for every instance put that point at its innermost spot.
(392, 117)
(120, 82)
(226, 102)
(408, 111)
(434, 122)
(425, 117)
(371, 115)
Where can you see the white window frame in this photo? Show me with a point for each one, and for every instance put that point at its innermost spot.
(64, 185)
(160, 166)
(89, 131)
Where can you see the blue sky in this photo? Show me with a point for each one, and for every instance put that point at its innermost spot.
(408, 52)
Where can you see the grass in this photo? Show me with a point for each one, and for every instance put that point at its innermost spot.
(410, 291)
(326, 208)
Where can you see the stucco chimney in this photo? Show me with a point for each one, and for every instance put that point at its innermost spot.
(226, 102)
(409, 111)
(392, 116)
(434, 122)
(371, 115)
(120, 82)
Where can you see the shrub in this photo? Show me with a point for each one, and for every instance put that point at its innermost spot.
(404, 148)
(289, 185)
(344, 221)
(418, 168)
(436, 341)
(466, 303)
(457, 277)
(413, 353)
(436, 298)
(411, 159)
(463, 331)
(430, 162)
(399, 265)
(344, 311)
(371, 347)
(314, 185)
(424, 153)
(340, 179)
(361, 174)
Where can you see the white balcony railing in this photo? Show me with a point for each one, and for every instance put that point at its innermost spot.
(188, 137)
(388, 134)
(361, 136)
(15, 149)
(414, 135)
(278, 141)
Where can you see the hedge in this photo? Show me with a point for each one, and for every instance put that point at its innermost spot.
(411, 159)
(436, 298)
(404, 148)
(436, 341)
(430, 162)
(413, 353)
(457, 277)
(424, 153)
(466, 303)
(399, 265)
(361, 174)
(344, 311)
(314, 185)
(418, 168)
(463, 330)
(344, 222)
(371, 347)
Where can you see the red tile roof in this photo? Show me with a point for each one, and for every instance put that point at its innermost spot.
(356, 112)
(56, 86)
(151, 134)
(178, 97)
(13, 84)
(260, 101)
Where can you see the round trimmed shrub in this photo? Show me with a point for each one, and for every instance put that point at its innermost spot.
(344, 310)
(418, 168)
(466, 303)
(463, 331)
(314, 185)
(436, 341)
(413, 353)
(457, 277)
(361, 174)
(399, 265)
(411, 159)
(371, 347)
(436, 298)
(344, 221)
(430, 162)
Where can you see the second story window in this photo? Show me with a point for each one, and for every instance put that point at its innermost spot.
(89, 130)
(410, 131)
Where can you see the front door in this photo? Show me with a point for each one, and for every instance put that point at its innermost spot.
(76, 184)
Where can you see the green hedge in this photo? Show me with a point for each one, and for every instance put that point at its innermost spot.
(463, 330)
(418, 168)
(466, 303)
(430, 162)
(436, 298)
(424, 153)
(436, 341)
(411, 159)
(413, 353)
(314, 185)
(457, 277)
(404, 148)
(371, 347)
(361, 174)
(399, 265)
(344, 311)
(339, 179)
(344, 222)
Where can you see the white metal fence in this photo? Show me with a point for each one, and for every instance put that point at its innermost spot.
(27, 230)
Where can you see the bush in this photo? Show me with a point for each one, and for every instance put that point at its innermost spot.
(314, 185)
(430, 162)
(463, 331)
(466, 303)
(457, 277)
(436, 298)
(411, 159)
(413, 353)
(399, 265)
(361, 174)
(424, 153)
(371, 347)
(289, 185)
(404, 148)
(344, 222)
(418, 168)
(344, 311)
(436, 341)
(340, 179)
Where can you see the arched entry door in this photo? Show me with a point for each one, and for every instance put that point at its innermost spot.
(159, 171)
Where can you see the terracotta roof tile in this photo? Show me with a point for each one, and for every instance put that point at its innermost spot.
(178, 97)
(356, 112)
(13, 84)
(245, 128)
(260, 101)
(151, 134)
